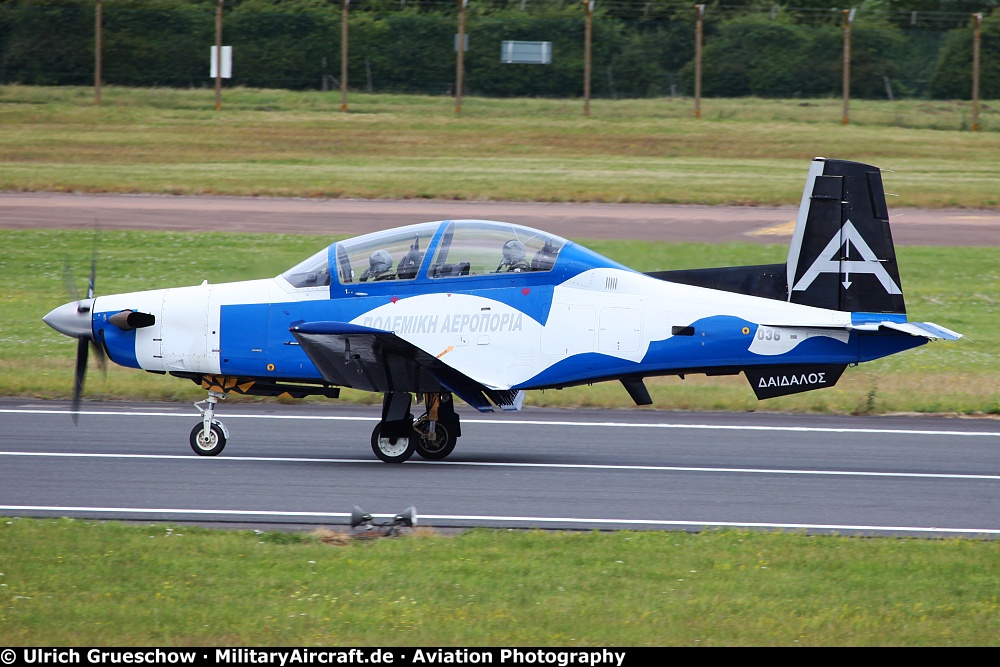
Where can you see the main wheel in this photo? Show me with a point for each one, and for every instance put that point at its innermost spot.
(210, 446)
(433, 447)
(391, 450)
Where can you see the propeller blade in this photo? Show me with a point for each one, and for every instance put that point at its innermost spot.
(69, 282)
(84, 342)
(82, 346)
(101, 357)
(102, 362)
(93, 271)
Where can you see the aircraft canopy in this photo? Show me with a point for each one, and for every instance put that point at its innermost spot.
(456, 247)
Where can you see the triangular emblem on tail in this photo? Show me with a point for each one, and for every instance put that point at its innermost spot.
(836, 258)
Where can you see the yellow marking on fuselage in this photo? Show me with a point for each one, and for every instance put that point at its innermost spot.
(450, 348)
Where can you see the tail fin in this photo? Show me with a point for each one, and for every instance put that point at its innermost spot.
(842, 257)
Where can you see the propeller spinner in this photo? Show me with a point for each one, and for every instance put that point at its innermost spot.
(75, 319)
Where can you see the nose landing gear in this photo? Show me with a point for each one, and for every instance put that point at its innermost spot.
(208, 437)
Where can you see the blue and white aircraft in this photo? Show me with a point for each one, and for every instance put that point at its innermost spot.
(484, 311)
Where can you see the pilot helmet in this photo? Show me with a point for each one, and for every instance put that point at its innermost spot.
(380, 262)
(513, 251)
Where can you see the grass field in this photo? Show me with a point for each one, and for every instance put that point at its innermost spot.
(962, 377)
(80, 583)
(300, 144)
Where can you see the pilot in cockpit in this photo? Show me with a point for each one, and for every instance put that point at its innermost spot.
(513, 257)
(545, 258)
(379, 267)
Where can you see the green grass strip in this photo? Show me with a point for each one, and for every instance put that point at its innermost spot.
(72, 583)
(282, 143)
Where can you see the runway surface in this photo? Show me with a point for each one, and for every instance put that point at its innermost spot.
(571, 469)
(337, 217)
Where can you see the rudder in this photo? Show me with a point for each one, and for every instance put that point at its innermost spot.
(842, 256)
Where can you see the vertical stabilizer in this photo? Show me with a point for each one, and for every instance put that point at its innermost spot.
(842, 257)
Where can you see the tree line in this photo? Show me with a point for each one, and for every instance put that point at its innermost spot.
(640, 49)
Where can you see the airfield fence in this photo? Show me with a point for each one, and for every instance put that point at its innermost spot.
(640, 49)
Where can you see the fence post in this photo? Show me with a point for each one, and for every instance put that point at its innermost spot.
(848, 20)
(460, 55)
(218, 55)
(698, 31)
(977, 20)
(343, 55)
(587, 37)
(97, 52)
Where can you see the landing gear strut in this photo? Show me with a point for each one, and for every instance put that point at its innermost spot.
(436, 431)
(433, 436)
(209, 436)
(391, 439)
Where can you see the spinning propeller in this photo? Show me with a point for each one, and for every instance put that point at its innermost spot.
(75, 319)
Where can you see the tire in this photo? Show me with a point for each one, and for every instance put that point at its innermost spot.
(437, 449)
(215, 443)
(391, 452)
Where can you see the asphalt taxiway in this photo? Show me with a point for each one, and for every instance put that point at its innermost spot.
(347, 217)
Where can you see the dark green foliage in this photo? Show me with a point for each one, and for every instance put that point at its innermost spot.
(875, 52)
(282, 49)
(176, 55)
(406, 52)
(639, 49)
(647, 58)
(777, 57)
(755, 55)
(952, 77)
(47, 46)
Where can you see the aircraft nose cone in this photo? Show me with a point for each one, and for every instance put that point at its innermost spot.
(72, 319)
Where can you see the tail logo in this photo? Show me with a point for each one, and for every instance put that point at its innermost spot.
(832, 260)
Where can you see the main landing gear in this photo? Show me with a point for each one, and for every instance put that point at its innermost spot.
(395, 439)
(209, 436)
(433, 435)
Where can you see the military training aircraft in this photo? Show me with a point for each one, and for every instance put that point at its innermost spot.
(484, 311)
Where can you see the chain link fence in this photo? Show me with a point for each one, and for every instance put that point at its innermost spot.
(639, 49)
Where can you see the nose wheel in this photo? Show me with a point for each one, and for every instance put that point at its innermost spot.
(211, 443)
(208, 437)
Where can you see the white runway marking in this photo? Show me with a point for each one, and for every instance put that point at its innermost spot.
(534, 422)
(503, 519)
(488, 464)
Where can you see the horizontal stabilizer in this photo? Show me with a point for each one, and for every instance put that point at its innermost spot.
(924, 329)
(771, 381)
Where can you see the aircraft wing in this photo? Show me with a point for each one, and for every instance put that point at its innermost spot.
(350, 355)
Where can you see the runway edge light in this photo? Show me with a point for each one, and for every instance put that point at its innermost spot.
(359, 516)
(407, 517)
